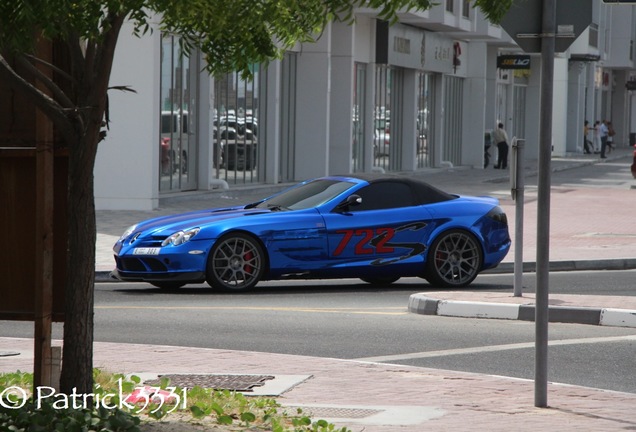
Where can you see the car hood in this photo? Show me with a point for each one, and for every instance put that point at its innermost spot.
(166, 225)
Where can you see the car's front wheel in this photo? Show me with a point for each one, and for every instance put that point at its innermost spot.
(454, 259)
(236, 262)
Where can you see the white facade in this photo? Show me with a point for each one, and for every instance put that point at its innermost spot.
(367, 97)
(126, 173)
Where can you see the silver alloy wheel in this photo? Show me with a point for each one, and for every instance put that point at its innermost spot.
(455, 259)
(235, 263)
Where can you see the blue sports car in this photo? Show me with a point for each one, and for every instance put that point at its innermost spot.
(374, 227)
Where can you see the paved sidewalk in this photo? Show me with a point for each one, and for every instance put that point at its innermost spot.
(592, 227)
(376, 397)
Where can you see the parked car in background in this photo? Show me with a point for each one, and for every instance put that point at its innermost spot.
(174, 142)
(381, 137)
(381, 142)
(235, 140)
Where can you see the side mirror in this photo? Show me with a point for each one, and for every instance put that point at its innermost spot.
(351, 201)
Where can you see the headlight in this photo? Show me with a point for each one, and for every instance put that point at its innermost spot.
(499, 215)
(180, 237)
(128, 232)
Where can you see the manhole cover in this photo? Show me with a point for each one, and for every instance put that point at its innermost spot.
(242, 383)
(8, 353)
(333, 412)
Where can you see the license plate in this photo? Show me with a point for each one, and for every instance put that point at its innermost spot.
(146, 251)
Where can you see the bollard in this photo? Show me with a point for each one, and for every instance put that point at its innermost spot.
(56, 367)
(634, 163)
(517, 188)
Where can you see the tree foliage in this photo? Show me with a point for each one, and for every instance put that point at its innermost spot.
(232, 34)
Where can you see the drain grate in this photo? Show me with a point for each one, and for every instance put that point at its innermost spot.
(244, 383)
(333, 412)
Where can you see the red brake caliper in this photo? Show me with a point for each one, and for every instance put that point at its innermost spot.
(247, 257)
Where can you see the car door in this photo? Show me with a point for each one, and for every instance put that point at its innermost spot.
(386, 232)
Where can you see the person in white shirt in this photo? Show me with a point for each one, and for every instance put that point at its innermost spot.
(501, 139)
(597, 136)
(604, 134)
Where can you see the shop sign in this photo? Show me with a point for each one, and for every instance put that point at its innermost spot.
(513, 62)
(409, 47)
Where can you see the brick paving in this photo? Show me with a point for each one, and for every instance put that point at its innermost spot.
(420, 398)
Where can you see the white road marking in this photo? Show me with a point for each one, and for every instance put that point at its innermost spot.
(494, 348)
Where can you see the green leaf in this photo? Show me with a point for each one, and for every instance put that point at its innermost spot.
(218, 409)
(197, 411)
(225, 419)
(247, 417)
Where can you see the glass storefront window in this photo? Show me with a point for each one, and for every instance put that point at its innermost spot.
(359, 116)
(424, 118)
(386, 142)
(178, 121)
(236, 130)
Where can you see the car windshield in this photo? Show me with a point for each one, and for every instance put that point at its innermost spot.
(308, 195)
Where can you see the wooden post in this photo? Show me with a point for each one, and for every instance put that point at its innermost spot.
(44, 255)
(44, 193)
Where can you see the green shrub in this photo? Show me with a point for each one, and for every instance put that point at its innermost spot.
(106, 410)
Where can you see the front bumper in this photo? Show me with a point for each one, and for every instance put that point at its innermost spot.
(180, 264)
(128, 276)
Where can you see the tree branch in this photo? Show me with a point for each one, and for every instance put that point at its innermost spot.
(36, 73)
(48, 105)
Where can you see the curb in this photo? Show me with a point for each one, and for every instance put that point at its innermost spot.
(423, 305)
(504, 268)
(569, 265)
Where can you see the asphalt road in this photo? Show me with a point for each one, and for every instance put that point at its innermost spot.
(351, 320)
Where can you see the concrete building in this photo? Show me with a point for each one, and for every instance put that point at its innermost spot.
(420, 94)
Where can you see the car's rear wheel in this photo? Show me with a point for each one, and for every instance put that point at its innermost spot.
(236, 262)
(386, 280)
(454, 259)
(168, 285)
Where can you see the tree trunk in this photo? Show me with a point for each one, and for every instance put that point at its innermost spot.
(77, 359)
(77, 368)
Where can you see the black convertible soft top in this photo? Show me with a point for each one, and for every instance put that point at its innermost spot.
(423, 192)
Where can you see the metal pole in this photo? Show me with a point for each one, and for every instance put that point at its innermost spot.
(519, 202)
(543, 204)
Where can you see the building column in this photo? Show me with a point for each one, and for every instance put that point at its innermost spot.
(560, 104)
(312, 102)
(475, 105)
(272, 122)
(533, 109)
(341, 105)
(409, 136)
(576, 107)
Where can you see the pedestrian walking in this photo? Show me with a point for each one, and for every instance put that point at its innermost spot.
(610, 136)
(603, 133)
(501, 138)
(588, 147)
(596, 131)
